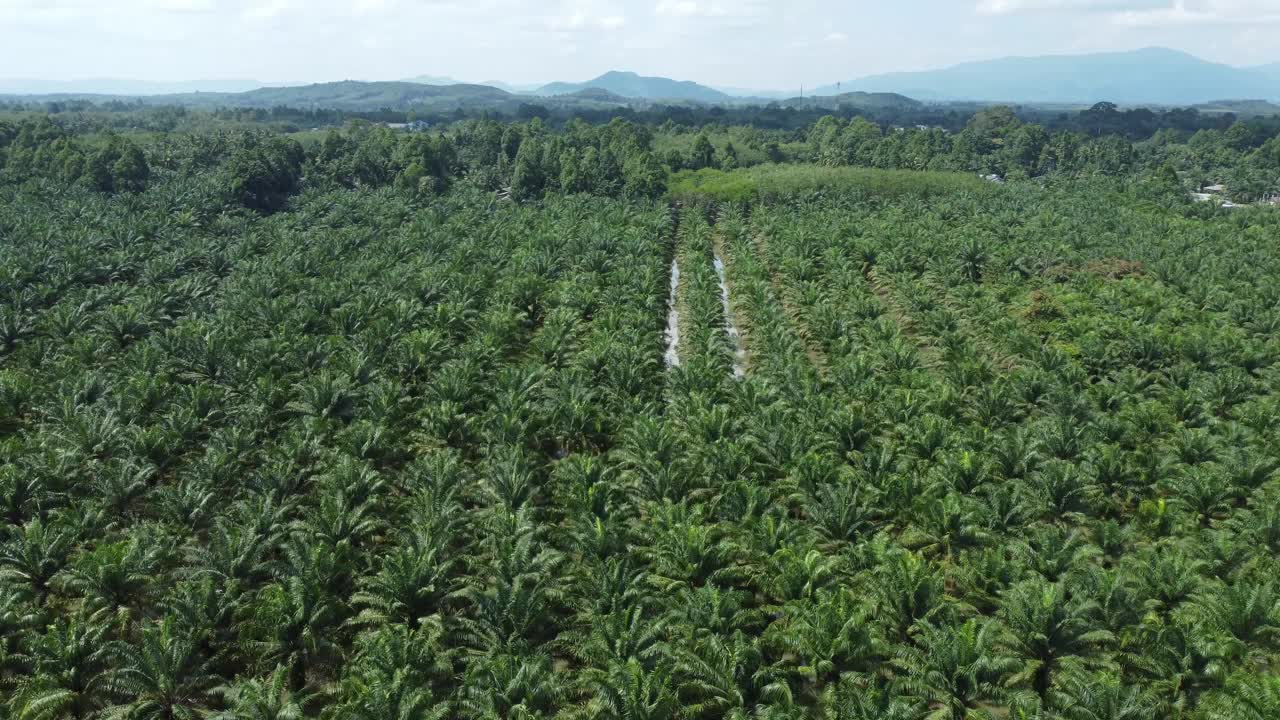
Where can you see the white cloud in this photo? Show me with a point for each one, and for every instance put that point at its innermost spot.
(587, 15)
(830, 40)
(1142, 13)
(182, 6)
(268, 10)
(678, 8)
(1010, 7)
(1203, 12)
(712, 9)
(364, 7)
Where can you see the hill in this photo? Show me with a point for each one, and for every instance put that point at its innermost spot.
(513, 88)
(880, 100)
(360, 95)
(631, 85)
(442, 80)
(1155, 76)
(120, 86)
(435, 80)
(751, 94)
(344, 95)
(1271, 72)
(352, 95)
(597, 94)
(1243, 108)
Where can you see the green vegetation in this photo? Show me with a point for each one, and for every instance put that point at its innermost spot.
(381, 425)
(772, 182)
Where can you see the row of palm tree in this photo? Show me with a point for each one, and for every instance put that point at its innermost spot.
(384, 454)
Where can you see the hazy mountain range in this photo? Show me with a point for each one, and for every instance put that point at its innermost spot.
(1156, 76)
(118, 86)
(629, 84)
(1152, 76)
(446, 80)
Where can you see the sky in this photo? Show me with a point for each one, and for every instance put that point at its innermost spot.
(764, 44)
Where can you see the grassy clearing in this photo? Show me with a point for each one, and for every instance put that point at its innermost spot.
(748, 143)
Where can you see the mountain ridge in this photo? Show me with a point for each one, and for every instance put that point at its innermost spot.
(361, 96)
(339, 95)
(125, 86)
(632, 85)
(1155, 76)
(1145, 77)
(858, 99)
(435, 80)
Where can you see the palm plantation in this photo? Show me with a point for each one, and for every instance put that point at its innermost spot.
(358, 429)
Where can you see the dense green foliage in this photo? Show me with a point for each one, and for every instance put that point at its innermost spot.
(39, 147)
(996, 141)
(319, 106)
(380, 426)
(630, 157)
(772, 182)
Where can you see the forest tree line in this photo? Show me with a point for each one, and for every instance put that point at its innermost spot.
(261, 168)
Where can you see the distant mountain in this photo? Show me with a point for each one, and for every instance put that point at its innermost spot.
(363, 96)
(749, 93)
(345, 95)
(118, 86)
(862, 100)
(1242, 108)
(597, 94)
(631, 85)
(1153, 76)
(433, 80)
(355, 95)
(446, 80)
(1269, 71)
(513, 89)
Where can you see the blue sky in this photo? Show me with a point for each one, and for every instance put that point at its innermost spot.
(746, 43)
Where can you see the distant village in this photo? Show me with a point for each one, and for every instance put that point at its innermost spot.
(1217, 194)
(414, 126)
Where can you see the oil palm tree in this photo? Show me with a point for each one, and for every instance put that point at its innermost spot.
(266, 698)
(1248, 696)
(944, 526)
(954, 670)
(622, 635)
(68, 670)
(512, 601)
(1047, 634)
(118, 577)
(395, 673)
(1242, 619)
(33, 556)
(498, 687)
(727, 678)
(908, 591)
(629, 691)
(687, 550)
(844, 511)
(413, 580)
(1102, 696)
(160, 677)
(292, 623)
(827, 637)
